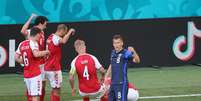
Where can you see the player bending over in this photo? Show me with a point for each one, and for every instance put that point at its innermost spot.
(53, 62)
(86, 65)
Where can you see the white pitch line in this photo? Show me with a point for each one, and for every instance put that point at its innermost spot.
(160, 97)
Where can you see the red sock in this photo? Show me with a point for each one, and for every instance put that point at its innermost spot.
(42, 96)
(29, 98)
(85, 98)
(54, 97)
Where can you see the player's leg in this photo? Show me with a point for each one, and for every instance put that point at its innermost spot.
(29, 98)
(35, 98)
(86, 98)
(122, 94)
(55, 78)
(55, 94)
(35, 87)
(27, 83)
(111, 95)
(42, 97)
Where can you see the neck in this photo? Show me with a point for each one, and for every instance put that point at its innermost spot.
(119, 49)
(33, 39)
(38, 26)
(56, 33)
(81, 53)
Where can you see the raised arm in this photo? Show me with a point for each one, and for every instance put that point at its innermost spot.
(67, 36)
(26, 25)
(136, 57)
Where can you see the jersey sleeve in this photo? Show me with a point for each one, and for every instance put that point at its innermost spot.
(27, 33)
(55, 40)
(73, 69)
(18, 50)
(34, 45)
(97, 63)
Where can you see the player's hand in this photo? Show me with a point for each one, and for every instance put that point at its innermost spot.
(131, 49)
(72, 31)
(73, 92)
(101, 80)
(33, 15)
(47, 52)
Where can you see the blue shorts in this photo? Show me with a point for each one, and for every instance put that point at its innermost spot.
(118, 92)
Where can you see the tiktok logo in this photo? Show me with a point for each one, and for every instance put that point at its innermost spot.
(193, 32)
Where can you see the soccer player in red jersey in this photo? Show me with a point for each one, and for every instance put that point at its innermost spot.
(29, 54)
(53, 63)
(86, 65)
(41, 23)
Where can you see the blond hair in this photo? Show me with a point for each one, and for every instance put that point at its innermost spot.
(62, 27)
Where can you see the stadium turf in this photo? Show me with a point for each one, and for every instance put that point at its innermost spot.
(165, 81)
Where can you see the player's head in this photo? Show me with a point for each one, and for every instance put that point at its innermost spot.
(80, 46)
(61, 30)
(41, 22)
(118, 42)
(35, 33)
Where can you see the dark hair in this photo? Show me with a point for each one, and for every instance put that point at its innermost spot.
(34, 31)
(117, 36)
(40, 19)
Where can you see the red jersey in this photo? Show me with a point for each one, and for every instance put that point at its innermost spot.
(53, 62)
(41, 43)
(85, 66)
(31, 63)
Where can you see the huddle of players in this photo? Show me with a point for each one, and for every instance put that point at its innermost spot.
(42, 62)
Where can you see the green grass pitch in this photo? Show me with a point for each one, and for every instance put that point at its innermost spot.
(150, 82)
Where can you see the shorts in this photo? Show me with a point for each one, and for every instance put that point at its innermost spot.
(118, 92)
(97, 94)
(42, 70)
(55, 78)
(34, 85)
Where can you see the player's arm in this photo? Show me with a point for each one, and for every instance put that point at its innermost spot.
(100, 68)
(108, 73)
(135, 56)
(38, 53)
(71, 77)
(26, 25)
(67, 36)
(102, 71)
(18, 58)
(71, 80)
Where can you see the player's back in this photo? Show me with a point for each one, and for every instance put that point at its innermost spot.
(31, 64)
(86, 70)
(54, 59)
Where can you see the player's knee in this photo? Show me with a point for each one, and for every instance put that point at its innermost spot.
(56, 91)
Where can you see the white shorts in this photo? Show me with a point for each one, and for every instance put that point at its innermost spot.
(133, 94)
(34, 85)
(55, 78)
(42, 70)
(97, 94)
